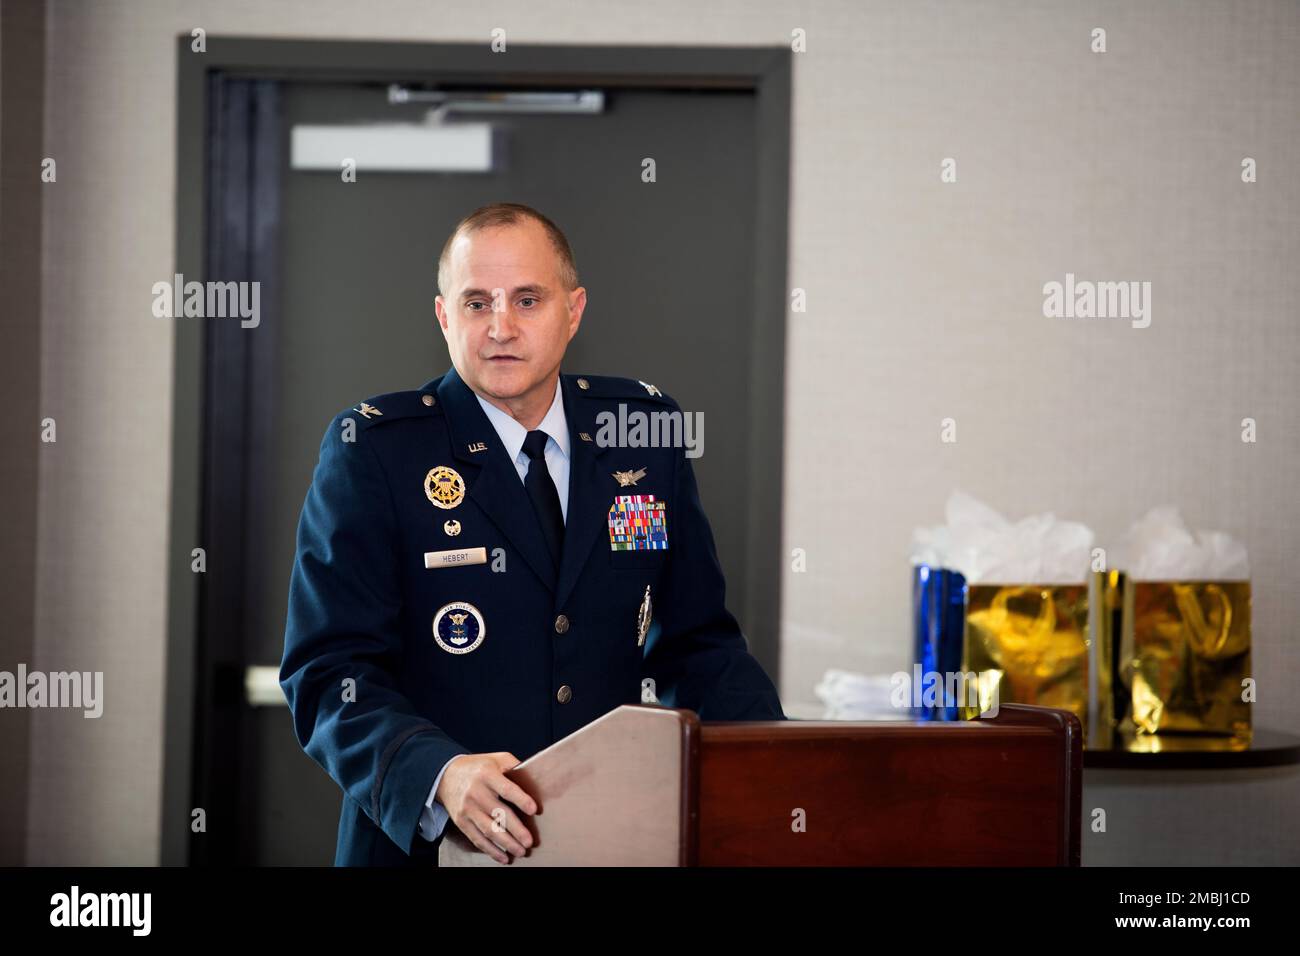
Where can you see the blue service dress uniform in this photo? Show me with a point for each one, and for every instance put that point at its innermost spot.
(525, 652)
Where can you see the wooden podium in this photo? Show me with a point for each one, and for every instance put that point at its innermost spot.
(653, 786)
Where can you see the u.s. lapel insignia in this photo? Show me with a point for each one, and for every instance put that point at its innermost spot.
(444, 486)
(625, 478)
(458, 627)
(643, 618)
(584, 436)
(650, 389)
(367, 410)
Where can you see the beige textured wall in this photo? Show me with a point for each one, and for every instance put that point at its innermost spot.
(924, 303)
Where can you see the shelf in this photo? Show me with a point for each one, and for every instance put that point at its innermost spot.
(1267, 748)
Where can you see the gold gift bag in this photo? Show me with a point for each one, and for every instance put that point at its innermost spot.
(1106, 623)
(1186, 653)
(1032, 641)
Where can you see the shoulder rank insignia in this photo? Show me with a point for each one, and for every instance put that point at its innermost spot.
(367, 410)
(444, 487)
(625, 478)
(650, 388)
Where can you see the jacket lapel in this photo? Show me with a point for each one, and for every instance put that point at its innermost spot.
(493, 483)
(589, 496)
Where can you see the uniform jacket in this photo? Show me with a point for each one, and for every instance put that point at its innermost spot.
(381, 703)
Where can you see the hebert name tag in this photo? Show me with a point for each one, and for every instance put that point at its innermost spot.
(451, 559)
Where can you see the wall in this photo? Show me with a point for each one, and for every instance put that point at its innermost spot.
(924, 302)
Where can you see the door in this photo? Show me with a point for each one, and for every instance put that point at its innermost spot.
(351, 267)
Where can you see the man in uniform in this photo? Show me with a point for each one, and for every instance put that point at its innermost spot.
(480, 571)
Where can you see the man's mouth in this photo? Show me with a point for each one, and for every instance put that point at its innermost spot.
(504, 358)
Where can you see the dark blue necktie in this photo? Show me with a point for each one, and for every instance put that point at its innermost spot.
(541, 489)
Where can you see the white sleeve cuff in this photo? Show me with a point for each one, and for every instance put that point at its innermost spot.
(434, 816)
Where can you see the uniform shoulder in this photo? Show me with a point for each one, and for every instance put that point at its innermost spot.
(394, 406)
(624, 389)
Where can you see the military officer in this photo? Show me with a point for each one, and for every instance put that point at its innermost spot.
(480, 571)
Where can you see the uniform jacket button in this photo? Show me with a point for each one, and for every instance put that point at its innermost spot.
(564, 694)
(427, 399)
(561, 624)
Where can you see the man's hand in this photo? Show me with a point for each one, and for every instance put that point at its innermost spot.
(474, 789)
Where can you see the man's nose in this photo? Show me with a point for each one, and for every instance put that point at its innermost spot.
(502, 327)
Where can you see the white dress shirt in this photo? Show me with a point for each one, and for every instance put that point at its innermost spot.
(556, 426)
(512, 434)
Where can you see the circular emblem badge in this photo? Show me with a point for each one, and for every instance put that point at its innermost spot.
(444, 486)
(458, 627)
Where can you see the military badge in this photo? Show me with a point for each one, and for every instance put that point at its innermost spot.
(625, 478)
(643, 618)
(638, 523)
(444, 486)
(458, 627)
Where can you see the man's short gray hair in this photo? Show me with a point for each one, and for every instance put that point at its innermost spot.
(509, 214)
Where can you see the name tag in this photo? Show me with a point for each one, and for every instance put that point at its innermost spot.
(451, 559)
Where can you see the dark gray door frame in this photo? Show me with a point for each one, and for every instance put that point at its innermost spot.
(764, 71)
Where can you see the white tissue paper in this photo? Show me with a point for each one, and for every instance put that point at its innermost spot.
(1159, 547)
(988, 549)
(850, 696)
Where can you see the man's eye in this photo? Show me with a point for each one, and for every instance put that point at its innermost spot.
(527, 298)
(470, 306)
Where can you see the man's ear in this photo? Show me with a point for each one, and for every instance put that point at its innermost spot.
(440, 312)
(577, 304)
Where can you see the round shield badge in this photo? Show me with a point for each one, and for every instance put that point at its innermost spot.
(458, 627)
(444, 486)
